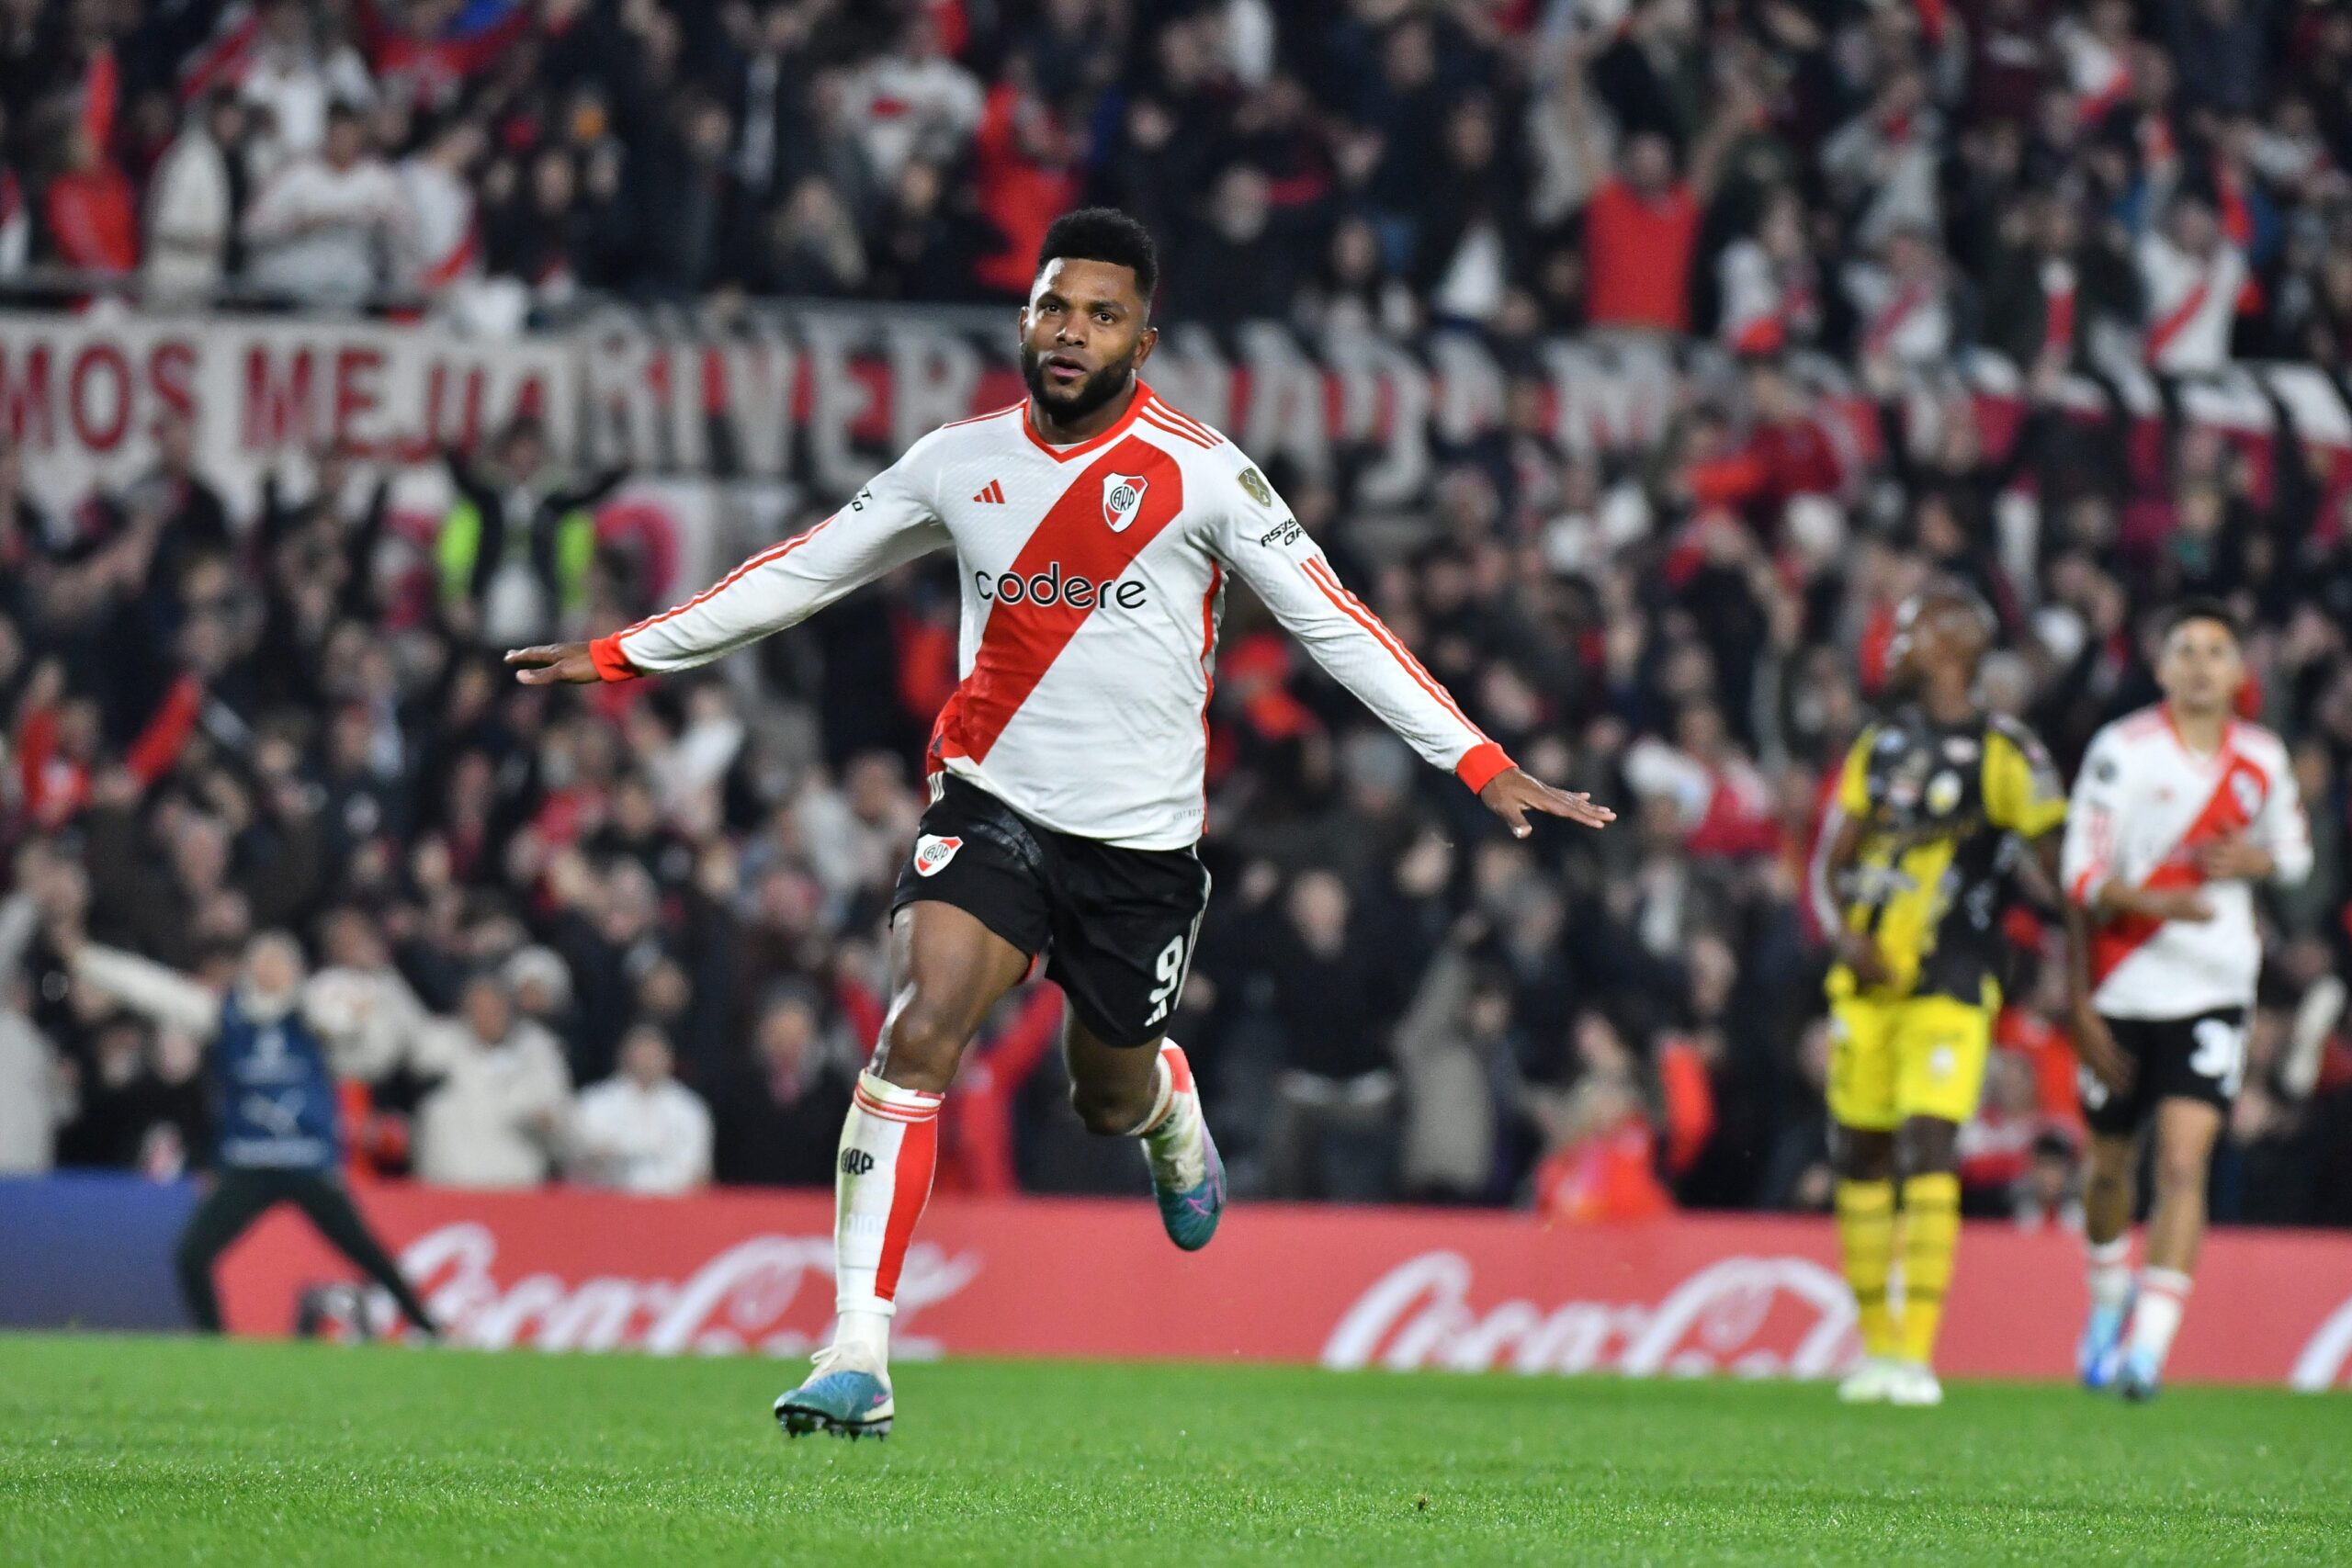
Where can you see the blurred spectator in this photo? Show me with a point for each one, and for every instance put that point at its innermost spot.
(193, 199)
(323, 227)
(1329, 1003)
(496, 1115)
(642, 1130)
(516, 549)
(779, 1118)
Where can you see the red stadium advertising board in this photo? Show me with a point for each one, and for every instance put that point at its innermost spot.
(1406, 1290)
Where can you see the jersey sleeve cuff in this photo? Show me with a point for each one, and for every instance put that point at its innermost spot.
(1481, 764)
(2086, 885)
(611, 663)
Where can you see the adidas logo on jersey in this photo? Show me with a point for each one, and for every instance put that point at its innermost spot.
(993, 493)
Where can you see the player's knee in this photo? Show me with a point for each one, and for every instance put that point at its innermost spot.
(919, 1046)
(2180, 1175)
(1105, 1111)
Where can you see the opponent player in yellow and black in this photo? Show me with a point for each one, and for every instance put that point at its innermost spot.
(1935, 806)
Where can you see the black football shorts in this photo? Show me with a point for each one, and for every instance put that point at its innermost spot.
(1116, 926)
(2201, 1057)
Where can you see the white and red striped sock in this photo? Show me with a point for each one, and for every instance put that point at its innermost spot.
(1175, 1138)
(889, 1148)
(2155, 1317)
(2111, 1271)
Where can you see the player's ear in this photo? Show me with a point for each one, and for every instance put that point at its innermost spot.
(1021, 325)
(1146, 341)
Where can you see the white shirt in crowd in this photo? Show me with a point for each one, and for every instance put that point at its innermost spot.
(2142, 806)
(296, 87)
(2192, 302)
(500, 1109)
(440, 249)
(189, 218)
(36, 1099)
(651, 1139)
(901, 106)
(324, 233)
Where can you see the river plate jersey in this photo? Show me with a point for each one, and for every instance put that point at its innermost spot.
(1092, 580)
(1946, 808)
(2144, 805)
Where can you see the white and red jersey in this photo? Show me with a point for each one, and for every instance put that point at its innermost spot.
(2143, 806)
(1093, 577)
(2192, 303)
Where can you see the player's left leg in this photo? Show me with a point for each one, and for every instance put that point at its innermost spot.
(1926, 1154)
(2185, 1131)
(1124, 925)
(329, 1208)
(1147, 1092)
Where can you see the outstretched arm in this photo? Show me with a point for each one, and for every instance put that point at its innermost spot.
(1262, 540)
(887, 523)
(145, 986)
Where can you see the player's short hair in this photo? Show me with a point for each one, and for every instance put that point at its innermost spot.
(2204, 607)
(1946, 590)
(1104, 234)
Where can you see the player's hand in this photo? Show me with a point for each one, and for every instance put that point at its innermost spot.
(1860, 952)
(1513, 793)
(2172, 904)
(2095, 1043)
(2234, 858)
(554, 663)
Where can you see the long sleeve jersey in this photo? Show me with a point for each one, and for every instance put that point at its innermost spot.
(1092, 580)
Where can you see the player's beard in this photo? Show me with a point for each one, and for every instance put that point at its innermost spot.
(1090, 395)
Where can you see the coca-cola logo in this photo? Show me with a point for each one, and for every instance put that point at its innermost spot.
(1755, 1317)
(766, 1293)
(2326, 1354)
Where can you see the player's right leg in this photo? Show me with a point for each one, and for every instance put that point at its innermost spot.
(2107, 1199)
(949, 968)
(236, 1200)
(1862, 1111)
(2184, 1133)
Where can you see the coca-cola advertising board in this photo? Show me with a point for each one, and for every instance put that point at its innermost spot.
(1404, 1290)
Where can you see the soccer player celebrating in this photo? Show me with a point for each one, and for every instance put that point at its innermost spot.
(1094, 527)
(1910, 878)
(2178, 811)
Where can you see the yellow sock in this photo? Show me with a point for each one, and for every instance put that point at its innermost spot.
(1866, 1240)
(1930, 1236)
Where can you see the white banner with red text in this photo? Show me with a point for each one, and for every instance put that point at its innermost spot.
(823, 396)
(1405, 1289)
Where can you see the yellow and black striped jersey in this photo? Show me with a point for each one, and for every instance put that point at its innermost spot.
(1945, 810)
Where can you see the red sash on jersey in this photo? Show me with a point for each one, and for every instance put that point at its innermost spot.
(1891, 320)
(2176, 321)
(2229, 809)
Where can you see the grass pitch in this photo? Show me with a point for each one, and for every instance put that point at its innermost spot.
(125, 1451)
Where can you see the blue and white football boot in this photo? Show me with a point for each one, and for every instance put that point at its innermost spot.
(847, 1395)
(1187, 1177)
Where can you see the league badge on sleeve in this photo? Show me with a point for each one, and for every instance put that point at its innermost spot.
(1259, 489)
(1122, 500)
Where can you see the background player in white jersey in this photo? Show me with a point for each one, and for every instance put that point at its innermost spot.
(1093, 526)
(2178, 811)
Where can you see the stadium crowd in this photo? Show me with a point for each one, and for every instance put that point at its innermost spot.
(631, 936)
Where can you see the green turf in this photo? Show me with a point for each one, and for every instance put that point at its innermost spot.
(123, 1451)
